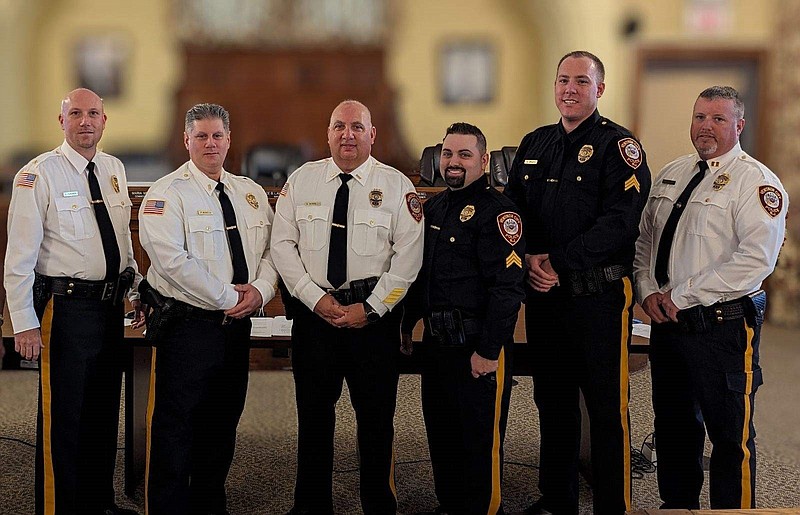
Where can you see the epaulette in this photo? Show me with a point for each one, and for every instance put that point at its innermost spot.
(609, 124)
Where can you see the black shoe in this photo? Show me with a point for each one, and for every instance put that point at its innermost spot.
(537, 509)
(116, 510)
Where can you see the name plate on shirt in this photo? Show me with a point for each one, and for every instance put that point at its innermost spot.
(70, 194)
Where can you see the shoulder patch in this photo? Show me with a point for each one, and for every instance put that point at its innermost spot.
(510, 225)
(154, 207)
(631, 152)
(26, 180)
(285, 189)
(414, 206)
(633, 182)
(771, 200)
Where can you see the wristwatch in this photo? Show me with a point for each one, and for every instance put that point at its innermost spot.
(372, 315)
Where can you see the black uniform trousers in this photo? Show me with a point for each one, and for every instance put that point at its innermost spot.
(709, 378)
(580, 344)
(198, 386)
(80, 377)
(322, 357)
(465, 421)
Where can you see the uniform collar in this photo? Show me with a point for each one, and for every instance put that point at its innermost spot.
(725, 159)
(208, 184)
(581, 129)
(360, 174)
(479, 184)
(76, 160)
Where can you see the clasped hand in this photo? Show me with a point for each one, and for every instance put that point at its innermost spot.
(249, 301)
(351, 316)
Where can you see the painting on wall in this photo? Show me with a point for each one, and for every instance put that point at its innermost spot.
(100, 64)
(468, 73)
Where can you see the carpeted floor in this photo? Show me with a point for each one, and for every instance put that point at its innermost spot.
(262, 476)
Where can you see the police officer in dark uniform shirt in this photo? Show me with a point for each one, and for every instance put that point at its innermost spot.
(469, 292)
(580, 185)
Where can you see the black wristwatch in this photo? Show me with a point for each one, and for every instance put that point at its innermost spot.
(372, 315)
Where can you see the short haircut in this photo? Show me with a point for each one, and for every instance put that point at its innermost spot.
(205, 112)
(601, 69)
(727, 93)
(468, 129)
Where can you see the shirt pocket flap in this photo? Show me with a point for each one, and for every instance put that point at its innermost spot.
(119, 201)
(74, 204)
(311, 213)
(717, 199)
(205, 224)
(372, 218)
(664, 191)
(256, 219)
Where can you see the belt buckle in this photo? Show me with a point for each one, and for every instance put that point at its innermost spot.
(108, 291)
(226, 320)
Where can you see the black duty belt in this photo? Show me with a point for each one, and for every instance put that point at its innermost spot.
(359, 291)
(698, 319)
(595, 280)
(450, 328)
(206, 315)
(97, 290)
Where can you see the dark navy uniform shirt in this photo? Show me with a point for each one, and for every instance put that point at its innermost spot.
(473, 261)
(580, 194)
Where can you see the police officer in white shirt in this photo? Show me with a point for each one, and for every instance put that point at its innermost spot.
(347, 242)
(70, 241)
(206, 232)
(710, 234)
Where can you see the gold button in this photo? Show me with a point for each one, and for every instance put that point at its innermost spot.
(372, 222)
(74, 206)
(579, 179)
(707, 199)
(208, 228)
(452, 239)
(526, 177)
(261, 222)
(309, 217)
(186, 175)
(69, 292)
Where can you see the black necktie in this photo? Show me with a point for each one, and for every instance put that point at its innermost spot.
(240, 273)
(337, 251)
(665, 243)
(107, 234)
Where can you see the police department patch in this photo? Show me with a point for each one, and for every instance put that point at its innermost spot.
(375, 198)
(585, 153)
(631, 152)
(771, 200)
(510, 226)
(414, 206)
(466, 213)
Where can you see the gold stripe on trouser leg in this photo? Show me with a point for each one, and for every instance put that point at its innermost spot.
(47, 422)
(624, 377)
(747, 493)
(494, 504)
(392, 485)
(151, 402)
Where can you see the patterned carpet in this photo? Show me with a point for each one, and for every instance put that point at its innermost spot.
(262, 477)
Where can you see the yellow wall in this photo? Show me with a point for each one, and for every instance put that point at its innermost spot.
(141, 117)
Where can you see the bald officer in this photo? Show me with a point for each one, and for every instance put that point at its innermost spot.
(69, 227)
(347, 242)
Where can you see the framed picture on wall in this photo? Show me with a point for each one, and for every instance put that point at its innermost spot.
(468, 72)
(101, 62)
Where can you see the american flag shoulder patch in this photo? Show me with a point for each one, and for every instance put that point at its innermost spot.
(26, 180)
(154, 207)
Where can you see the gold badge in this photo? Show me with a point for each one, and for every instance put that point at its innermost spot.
(252, 200)
(585, 153)
(771, 200)
(466, 213)
(510, 225)
(115, 183)
(631, 152)
(375, 198)
(721, 181)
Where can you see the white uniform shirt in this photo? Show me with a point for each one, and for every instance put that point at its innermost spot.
(384, 231)
(728, 239)
(182, 229)
(52, 227)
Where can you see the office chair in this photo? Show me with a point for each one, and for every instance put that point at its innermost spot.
(500, 162)
(271, 164)
(429, 166)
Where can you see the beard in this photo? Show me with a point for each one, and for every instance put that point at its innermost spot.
(455, 181)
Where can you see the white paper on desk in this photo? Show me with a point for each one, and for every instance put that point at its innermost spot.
(127, 321)
(281, 326)
(262, 326)
(642, 330)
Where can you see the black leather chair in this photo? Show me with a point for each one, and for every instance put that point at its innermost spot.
(429, 166)
(270, 165)
(500, 164)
